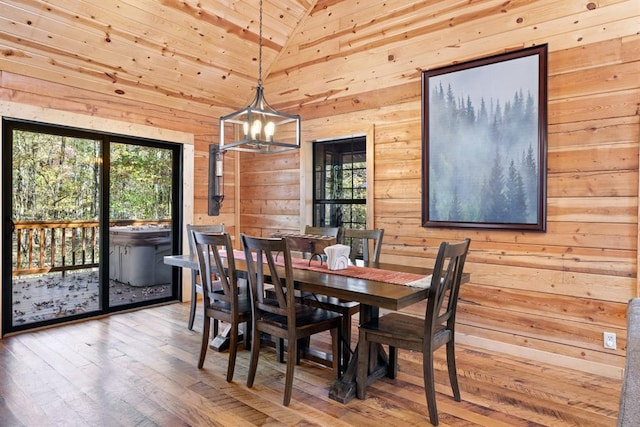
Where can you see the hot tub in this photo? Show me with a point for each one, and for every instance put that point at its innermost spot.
(136, 255)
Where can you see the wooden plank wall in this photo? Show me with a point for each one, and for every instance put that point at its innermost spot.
(553, 293)
(548, 296)
(270, 193)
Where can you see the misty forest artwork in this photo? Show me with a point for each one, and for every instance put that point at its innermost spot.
(484, 142)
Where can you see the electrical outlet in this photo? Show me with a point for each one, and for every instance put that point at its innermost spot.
(610, 340)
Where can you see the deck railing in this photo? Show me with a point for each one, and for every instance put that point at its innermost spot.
(50, 246)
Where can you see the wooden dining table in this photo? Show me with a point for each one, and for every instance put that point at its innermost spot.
(372, 295)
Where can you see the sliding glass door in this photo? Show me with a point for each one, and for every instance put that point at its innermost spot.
(55, 219)
(87, 220)
(140, 211)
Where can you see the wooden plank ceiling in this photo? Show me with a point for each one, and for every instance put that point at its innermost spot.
(202, 55)
(186, 54)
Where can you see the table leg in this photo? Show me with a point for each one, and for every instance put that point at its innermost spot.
(221, 341)
(344, 388)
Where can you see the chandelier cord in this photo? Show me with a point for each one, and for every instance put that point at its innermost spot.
(259, 128)
(260, 50)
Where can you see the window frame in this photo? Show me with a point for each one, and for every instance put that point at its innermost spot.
(357, 147)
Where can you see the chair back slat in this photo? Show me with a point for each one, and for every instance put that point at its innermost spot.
(325, 231)
(261, 255)
(208, 228)
(369, 242)
(445, 285)
(215, 272)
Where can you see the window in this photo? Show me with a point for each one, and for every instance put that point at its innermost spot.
(340, 183)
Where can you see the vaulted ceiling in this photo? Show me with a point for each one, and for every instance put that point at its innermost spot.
(202, 55)
(189, 54)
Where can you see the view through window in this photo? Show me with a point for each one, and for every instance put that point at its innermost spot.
(340, 183)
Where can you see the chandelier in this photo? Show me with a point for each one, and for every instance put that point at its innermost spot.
(259, 128)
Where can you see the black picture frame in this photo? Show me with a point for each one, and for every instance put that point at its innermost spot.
(484, 142)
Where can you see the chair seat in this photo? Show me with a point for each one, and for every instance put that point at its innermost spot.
(244, 305)
(402, 328)
(305, 316)
(398, 324)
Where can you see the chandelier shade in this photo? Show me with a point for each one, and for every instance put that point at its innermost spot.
(259, 128)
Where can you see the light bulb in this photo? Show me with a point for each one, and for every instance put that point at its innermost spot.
(256, 128)
(219, 166)
(269, 130)
(245, 128)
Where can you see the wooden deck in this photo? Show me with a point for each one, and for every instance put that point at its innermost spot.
(38, 298)
(139, 369)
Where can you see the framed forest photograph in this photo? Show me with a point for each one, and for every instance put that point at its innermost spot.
(484, 142)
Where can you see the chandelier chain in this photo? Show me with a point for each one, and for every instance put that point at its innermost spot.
(260, 50)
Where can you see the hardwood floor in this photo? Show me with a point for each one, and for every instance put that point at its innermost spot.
(139, 368)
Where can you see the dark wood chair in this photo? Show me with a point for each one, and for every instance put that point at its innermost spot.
(196, 287)
(367, 243)
(322, 231)
(278, 313)
(437, 328)
(222, 300)
(325, 231)
(371, 256)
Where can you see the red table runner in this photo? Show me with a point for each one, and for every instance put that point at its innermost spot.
(369, 273)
